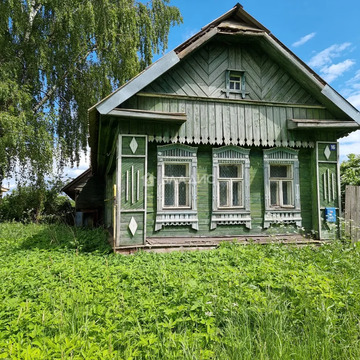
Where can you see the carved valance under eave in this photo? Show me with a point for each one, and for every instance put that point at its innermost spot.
(161, 116)
(309, 124)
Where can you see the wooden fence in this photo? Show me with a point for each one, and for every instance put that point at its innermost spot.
(352, 212)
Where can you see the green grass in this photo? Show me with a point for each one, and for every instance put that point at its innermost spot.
(63, 295)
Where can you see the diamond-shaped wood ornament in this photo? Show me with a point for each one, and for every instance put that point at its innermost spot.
(133, 226)
(327, 152)
(133, 145)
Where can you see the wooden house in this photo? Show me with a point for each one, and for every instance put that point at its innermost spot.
(229, 136)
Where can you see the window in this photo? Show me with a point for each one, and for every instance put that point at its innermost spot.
(282, 186)
(176, 186)
(231, 187)
(235, 83)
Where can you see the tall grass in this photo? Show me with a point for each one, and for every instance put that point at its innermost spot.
(64, 295)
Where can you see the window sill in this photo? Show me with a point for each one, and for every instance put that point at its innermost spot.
(176, 217)
(282, 216)
(230, 217)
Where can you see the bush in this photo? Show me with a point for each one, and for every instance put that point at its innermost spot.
(37, 204)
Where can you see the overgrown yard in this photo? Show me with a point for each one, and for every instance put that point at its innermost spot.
(64, 296)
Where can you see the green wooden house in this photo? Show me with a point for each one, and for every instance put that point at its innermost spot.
(229, 136)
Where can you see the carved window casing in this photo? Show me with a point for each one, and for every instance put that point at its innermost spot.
(176, 186)
(282, 187)
(235, 83)
(231, 187)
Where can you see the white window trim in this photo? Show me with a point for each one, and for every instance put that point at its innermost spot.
(177, 216)
(242, 91)
(234, 215)
(289, 213)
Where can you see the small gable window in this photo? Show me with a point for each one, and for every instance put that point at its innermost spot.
(176, 186)
(235, 83)
(231, 187)
(282, 187)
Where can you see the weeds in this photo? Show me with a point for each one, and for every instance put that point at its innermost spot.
(63, 295)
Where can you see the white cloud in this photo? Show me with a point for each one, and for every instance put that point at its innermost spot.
(304, 39)
(330, 73)
(354, 99)
(325, 57)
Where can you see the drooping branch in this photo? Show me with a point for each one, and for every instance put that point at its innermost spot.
(50, 92)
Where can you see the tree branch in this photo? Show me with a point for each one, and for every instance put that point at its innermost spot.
(50, 92)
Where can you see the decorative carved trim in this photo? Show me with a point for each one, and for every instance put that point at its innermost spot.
(282, 156)
(231, 155)
(177, 217)
(282, 217)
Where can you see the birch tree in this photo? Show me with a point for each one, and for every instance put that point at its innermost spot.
(59, 57)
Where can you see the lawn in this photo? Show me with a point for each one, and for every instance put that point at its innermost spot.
(64, 295)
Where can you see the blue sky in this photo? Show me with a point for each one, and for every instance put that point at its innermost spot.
(323, 33)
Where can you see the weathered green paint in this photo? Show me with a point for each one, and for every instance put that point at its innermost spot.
(203, 74)
(204, 196)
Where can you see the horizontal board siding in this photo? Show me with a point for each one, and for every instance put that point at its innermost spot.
(204, 196)
(203, 74)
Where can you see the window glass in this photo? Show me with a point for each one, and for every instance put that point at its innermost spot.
(237, 193)
(175, 170)
(223, 193)
(274, 193)
(230, 171)
(183, 193)
(235, 82)
(279, 171)
(287, 192)
(169, 193)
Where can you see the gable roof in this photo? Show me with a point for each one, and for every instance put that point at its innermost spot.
(235, 22)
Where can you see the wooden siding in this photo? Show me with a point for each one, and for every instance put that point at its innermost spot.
(204, 195)
(203, 74)
(212, 121)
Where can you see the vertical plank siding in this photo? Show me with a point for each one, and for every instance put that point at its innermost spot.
(222, 122)
(352, 212)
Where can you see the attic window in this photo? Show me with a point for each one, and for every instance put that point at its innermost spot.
(235, 83)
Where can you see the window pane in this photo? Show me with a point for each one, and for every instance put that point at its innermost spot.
(232, 86)
(175, 170)
(287, 192)
(183, 193)
(274, 190)
(229, 171)
(223, 193)
(237, 193)
(278, 171)
(169, 193)
(235, 77)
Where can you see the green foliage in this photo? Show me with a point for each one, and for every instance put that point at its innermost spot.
(349, 173)
(60, 57)
(37, 204)
(63, 297)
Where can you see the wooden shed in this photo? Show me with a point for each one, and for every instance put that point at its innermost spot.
(229, 136)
